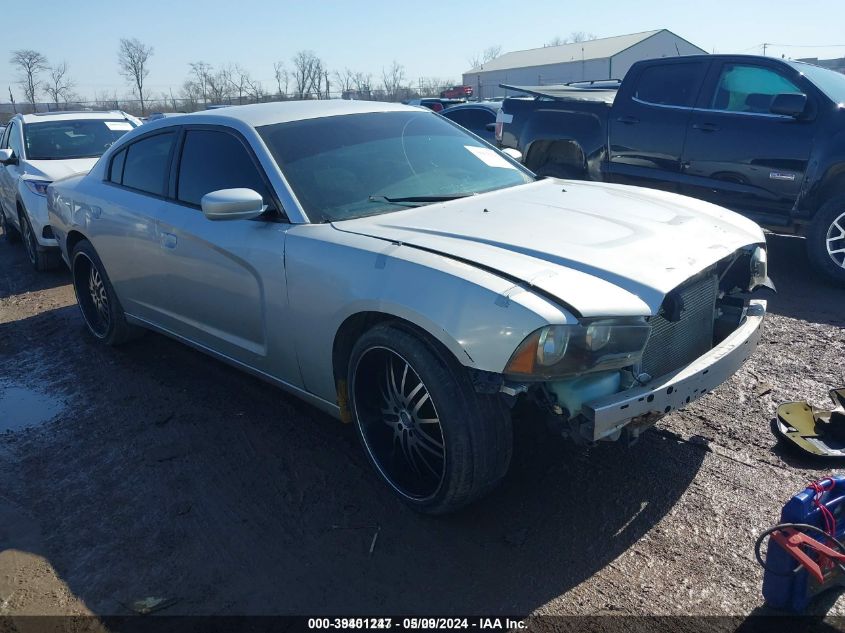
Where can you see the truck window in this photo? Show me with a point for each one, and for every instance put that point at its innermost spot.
(744, 88)
(669, 84)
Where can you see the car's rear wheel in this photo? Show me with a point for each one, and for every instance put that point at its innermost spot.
(826, 241)
(97, 300)
(436, 442)
(10, 233)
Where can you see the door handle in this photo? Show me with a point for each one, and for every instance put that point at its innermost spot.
(705, 127)
(167, 240)
(628, 120)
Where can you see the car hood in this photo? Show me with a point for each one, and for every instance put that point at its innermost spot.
(602, 250)
(56, 169)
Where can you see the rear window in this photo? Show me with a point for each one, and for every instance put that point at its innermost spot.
(670, 84)
(147, 163)
(63, 140)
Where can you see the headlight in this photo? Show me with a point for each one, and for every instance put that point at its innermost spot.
(555, 351)
(759, 268)
(38, 187)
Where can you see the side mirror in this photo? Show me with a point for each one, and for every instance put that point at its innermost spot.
(7, 157)
(232, 204)
(490, 127)
(513, 153)
(789, 104)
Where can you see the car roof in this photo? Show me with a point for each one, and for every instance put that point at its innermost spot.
(259, 114)
(40, 117)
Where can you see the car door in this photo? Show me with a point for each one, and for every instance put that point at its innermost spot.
(10, 174)
(224, 281)
(648, 123)
(740, 155)
(123, 220)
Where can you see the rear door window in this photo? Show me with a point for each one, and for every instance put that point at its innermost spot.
(147, 163)
(670, 84)
(213, 160)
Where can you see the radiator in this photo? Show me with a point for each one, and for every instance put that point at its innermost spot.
(673, 345)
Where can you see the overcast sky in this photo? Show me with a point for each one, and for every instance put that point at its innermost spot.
(430, 38)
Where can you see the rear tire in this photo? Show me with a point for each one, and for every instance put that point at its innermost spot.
(10, 233)
(435, 441)
(101, 310)
(826, 241)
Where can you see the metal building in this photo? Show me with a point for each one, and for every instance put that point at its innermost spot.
(606, 58)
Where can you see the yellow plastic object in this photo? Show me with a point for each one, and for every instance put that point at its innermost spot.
(817, 431)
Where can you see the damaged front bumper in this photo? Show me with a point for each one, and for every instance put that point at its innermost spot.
(641, 406)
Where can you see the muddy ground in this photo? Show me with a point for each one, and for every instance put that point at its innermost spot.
(156, 471)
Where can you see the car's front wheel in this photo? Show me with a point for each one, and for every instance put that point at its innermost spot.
(10, 233)
(826, 240)
(41, 260)
(435, 441)
(97, 300)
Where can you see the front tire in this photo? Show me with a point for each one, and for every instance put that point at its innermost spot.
(435, 441)
(97, 300)
(826, 241)
(41, 260)
(10, 233)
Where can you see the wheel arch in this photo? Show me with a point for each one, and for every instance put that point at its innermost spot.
(566, 152)
(73, 238)
(355, 325)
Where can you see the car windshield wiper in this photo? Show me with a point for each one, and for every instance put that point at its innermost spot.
(420, 199)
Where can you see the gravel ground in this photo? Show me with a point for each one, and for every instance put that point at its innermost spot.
(161, 472)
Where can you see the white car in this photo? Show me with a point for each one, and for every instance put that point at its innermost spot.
(37, 149)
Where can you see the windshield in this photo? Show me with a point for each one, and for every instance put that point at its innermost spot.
(84, 138)
(349, 166)
(829, 82)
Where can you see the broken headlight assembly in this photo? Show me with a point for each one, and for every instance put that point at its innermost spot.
(759, 269)
(557, 351)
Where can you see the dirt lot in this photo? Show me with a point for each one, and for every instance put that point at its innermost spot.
(156, 471)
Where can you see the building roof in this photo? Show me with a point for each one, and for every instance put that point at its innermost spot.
(578, 51)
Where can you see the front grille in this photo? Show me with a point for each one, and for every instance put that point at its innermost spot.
(674, 344)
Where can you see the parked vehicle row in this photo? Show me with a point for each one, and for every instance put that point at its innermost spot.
(764, 137)
(35, 150)
(387, 266)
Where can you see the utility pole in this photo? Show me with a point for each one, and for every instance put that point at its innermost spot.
(765, 46)
(12, 99)
(327, 85)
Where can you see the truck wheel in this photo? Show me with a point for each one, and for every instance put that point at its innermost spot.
(557, 170)
(435, 441)
(10, 233)
(97, 301)
(826, 241)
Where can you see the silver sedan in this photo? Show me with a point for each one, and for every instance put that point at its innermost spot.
(401, 274)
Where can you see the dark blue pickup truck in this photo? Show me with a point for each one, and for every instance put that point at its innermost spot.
(762, 136)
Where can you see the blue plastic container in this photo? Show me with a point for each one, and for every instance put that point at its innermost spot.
(793, 592)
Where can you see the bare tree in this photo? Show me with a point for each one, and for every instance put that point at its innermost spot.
(392, 79)
(575, 37)
(433, 86)
(132, 58)
(240, 80)
(191, 94)
(30, 64)
(345, 79)
(363, 84)
(282, 78)
(488, 54)
(200, 70)
(307, 74)
(219, 86)
(60, 85)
